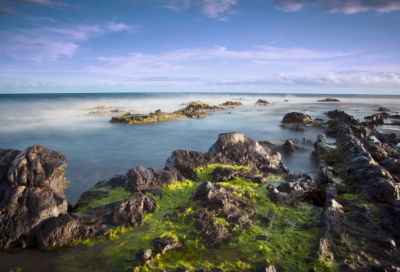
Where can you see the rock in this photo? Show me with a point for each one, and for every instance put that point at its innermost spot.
(289, 148)
(259, 180)
(266, 268)
(261, 238)
(6, 158)
(31, 192)
(182, 269)
(383, 109)
(296, 118)
(388, 138)
(232, 103)
(144, 253)
(379, 118)
(230, 149)
(132, 269)
(262, 102)
(329, 100)
(164, 244)
(90, 195)
(224, 174)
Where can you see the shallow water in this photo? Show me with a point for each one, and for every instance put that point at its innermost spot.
(97, 149)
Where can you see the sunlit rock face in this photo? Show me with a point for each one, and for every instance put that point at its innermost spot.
(31, 191)
(231, 149)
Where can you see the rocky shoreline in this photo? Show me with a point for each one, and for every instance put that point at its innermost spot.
(238, 195)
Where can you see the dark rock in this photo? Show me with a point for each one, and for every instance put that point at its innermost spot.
(383, 109)
(296, 118)
(182, 269)
(259, 180)
(230, 149)
(312, 269)
(132, 269)
(329, 100)
(388, 138)
(266, 268)
(308, 260)
(224, 174)
(31, 192)
(164, 244)
(261, 237)
(288, 147)
(144, 253)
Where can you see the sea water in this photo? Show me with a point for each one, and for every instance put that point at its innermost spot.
(97, 149)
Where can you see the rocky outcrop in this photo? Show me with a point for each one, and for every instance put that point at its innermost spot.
(329, 100)
(164, 244)
(230, 149)
(298, 187)
(383, 109)
(232, 103)
(296, 118)
(379, 118)
(262, 102)
(31, 192)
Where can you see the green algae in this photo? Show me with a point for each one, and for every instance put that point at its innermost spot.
(205, 173)
(285, 247)
(114, 194)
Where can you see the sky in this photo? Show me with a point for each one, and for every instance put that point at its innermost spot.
(270, 46)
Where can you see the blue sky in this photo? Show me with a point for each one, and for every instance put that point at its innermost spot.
(316, 46)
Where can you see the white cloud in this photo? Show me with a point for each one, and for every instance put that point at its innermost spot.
(212, 8)
(175, 60)
(49, 43)
(345, 6)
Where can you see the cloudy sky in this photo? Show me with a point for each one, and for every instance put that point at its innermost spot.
(319, 46)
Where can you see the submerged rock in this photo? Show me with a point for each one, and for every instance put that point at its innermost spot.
(230, 149)
(296, 118)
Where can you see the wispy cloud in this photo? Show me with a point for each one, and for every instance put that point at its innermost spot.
(345, 6)
(176, 60)
(49, 43)
(8, 6)
(212, 8)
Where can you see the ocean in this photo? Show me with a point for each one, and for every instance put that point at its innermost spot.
(97, 149)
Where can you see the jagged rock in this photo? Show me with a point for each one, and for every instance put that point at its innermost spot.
(388, 138)
(6, 158)
(379, 118)
(224, 174)
(266, 268)
(230, 149)
(31, 192)
(164, 244)
(296, 118)
(380, 151)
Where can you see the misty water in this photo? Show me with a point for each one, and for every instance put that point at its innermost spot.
(97, 149)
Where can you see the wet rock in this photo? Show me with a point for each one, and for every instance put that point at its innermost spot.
(230, 149)
(288, 147)
(31, 192)
(379, 118)
(266, 268)
(144, 254)
(302, 179)
(329, 100)
(262, 102)
(259, 180)
(296, 118)
(388, 138)
(383, 109)
(164, 244)
(232, 103)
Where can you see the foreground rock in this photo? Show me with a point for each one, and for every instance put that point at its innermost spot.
(32, 190)
(296, 118)
(230, 149)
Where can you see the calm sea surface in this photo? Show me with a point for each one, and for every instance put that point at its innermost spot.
(97, 149)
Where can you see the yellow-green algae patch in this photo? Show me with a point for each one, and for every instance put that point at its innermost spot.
(286, 245)
(205, 173)
(114, 194)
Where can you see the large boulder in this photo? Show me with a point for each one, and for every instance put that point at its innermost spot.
(230, 149)
(31, 192)
(296, 118)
